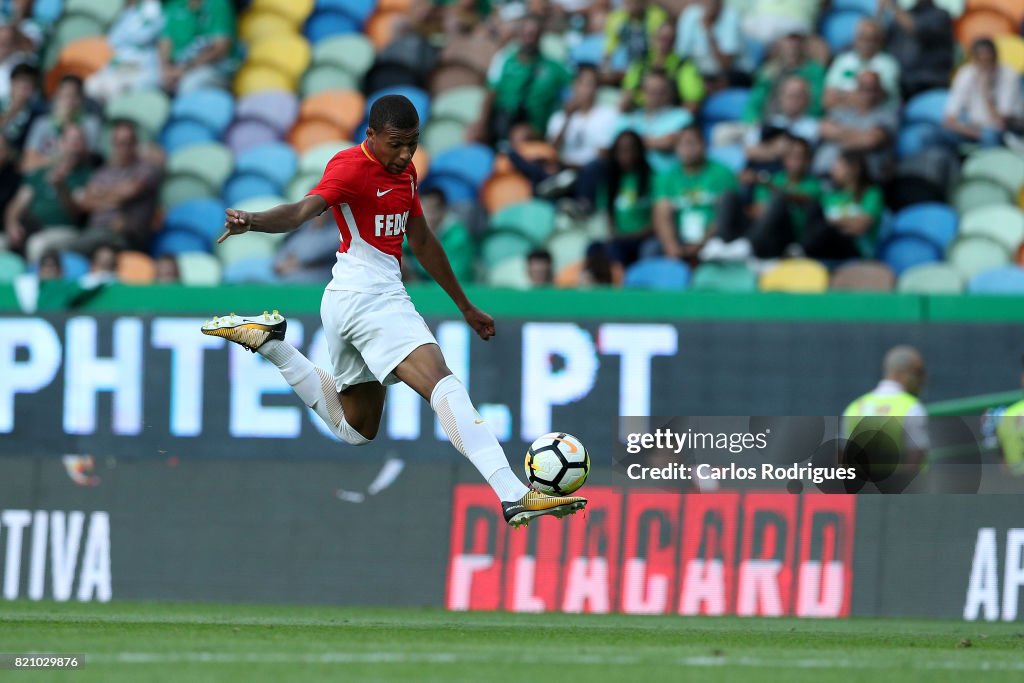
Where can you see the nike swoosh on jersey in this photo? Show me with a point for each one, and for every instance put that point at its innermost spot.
(381, 194)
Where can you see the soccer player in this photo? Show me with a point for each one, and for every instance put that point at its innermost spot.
(374, 334)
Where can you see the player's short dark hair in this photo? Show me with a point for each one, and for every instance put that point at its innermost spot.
(395, 111)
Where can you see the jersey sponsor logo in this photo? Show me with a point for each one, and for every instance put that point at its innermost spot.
(381, 194)
(388, 225)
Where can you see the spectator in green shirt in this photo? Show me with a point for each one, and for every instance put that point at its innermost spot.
(847, 224)
(528, 89)
(791, 59)
(662, 57)
(778, 216)
(452, 233)
(625, 194)
(685, 197)
(197, 49)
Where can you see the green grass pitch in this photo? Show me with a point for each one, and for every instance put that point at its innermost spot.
(139, 642)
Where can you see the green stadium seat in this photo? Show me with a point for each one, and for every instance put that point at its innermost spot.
(567, 247)
(71, 27)
(931, 278)
(263, 203)
(183, 188)
(199, 269)
(210, 161)
(300, 186)
(352, 53)
(503, 244)
(149, 110)
(976, 192)
(510, 273)
(104, 12)
(327, 77)
(554, 46)
(247, 246)
(535, 219)
(724, 277)
(458, 104)
(11, 266)
(999, 165)
(975, 254)
(1001, 222)
(442, 135)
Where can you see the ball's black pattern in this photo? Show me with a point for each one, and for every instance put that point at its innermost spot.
(559, 450)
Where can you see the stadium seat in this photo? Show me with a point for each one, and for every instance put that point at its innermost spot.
(441, 135)
(534, 218)
(352, 53)
(74, 26)
(103, 12)
(211, 162)
(323, 24)
(1006, 280)
(1001, 222)
(936, 222)
(277, 108)
(998, 164)
(915, 138)
(204, 217)
(135, 268)
(982, 23)
(1013, 9)
(422, 160)
(254, 78)
(250, 269)
(258, 24)
(926, 107)
(82, 57)
(199, 269)
(385, 76)
(590, 50)
(211, 107)
(295, 11)
(262, 204)
(931, 278)
(724, 277)
(276, 162)
(799, 276)
(73, 265)
(308, 134)
(342, 108)
(360, 10)
(901, 252)
(314, 160)
(455, 189)
(11, 266)
(838, 28)
(510, 273)
(975, 254)
(394, 5)
(419, 98)
(499, 245)
(288, 53)
(657, 273)
(47, 12)
(502, 190)
(567, 247)
(177, 242)
(725, 105)
(183, 188)
(973, 193)
(867, 7)
(925, 177)
(866, 276)
(149, 110)
(470, 163)
(380, 28)
(184, 133)
(243, 186)
(1011, 51)
(300, 186)
(328, 77)
(452, 76)
(246, 134)
(732, 156)
(255, 245)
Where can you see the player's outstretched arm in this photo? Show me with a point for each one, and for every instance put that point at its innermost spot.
(431, 255)
(281, 218)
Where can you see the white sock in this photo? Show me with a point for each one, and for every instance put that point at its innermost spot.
(473, 439)
(314, 386)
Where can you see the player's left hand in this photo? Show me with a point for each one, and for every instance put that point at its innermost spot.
(235, 223)
(481, 323)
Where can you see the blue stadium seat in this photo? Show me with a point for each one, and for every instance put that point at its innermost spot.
(926, 107)
(73, 264)
(838, 28)
(244, 186)
(275, 162)
(726, 105)
(455, 189)
(173, 241)
(204, 217)
(358, 10)
(211, 107)
(1007, 280)
(732, 156)
(905, 251)
(932, 221)
(184, 133)
(327, 23)
(253, 269)
(915, 138)
(470, 163)
(657, 273)
(590, 50)
(869, 7)
(419, 98)
(47, 12)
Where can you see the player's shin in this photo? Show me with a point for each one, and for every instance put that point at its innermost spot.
(314, 386)
(473, 439)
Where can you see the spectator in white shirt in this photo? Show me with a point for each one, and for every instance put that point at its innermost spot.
(709, 34)
(582, 129)
(984, 98)
(768, 144)
(866, 55)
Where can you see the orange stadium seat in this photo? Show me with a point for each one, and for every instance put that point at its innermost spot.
(394, 6)
(1013, 9)
(381, 28)
(308, 134)
(502, 165)
(422, 161)
(982, 23)
(501, 190)
(135, 268)
(82, 57)
(342, 108)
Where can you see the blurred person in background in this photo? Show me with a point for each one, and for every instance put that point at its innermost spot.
(528, 90)
(68, 107)
(136, 61)
(121, 196)
(309, 253)
(790, 59)
(1010, 432)
(663, 57)
(14, 50)
(776, 219)
(581, 129)
(10, 179)
(631, 28)
(709, 34)
(19, 15)
(765, 21)
(921, 40)
(539, 268)
(685, 197)
(659, 122)
(765, 146)
(846, 227)
(842, 77)
(43, 213)
(453, 234)
(984, 99)
(50, 267)
(167, 271)
(22, 106)
(197, 45)
(625, 195)
(102, 267)
(867, 125)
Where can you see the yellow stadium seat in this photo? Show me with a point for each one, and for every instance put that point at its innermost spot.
(296, 11)
(501, 190)
(308, 134)
(135, 268)
(256, 25)
(289, 53)
(802, 276)
(254, 78)
(343, 108)
(1011, 51)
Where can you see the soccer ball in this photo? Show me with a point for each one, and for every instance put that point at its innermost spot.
(557, 464)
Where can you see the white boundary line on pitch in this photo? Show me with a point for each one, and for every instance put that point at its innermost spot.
(457, 658)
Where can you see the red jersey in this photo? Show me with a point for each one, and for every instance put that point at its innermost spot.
(372, 208)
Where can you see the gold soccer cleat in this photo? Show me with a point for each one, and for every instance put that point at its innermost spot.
(535, 504)
(249, 332)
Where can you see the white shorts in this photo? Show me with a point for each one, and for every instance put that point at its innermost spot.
(368, 335)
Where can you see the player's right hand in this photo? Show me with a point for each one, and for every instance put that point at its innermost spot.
(481, 323)
(235, 223)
